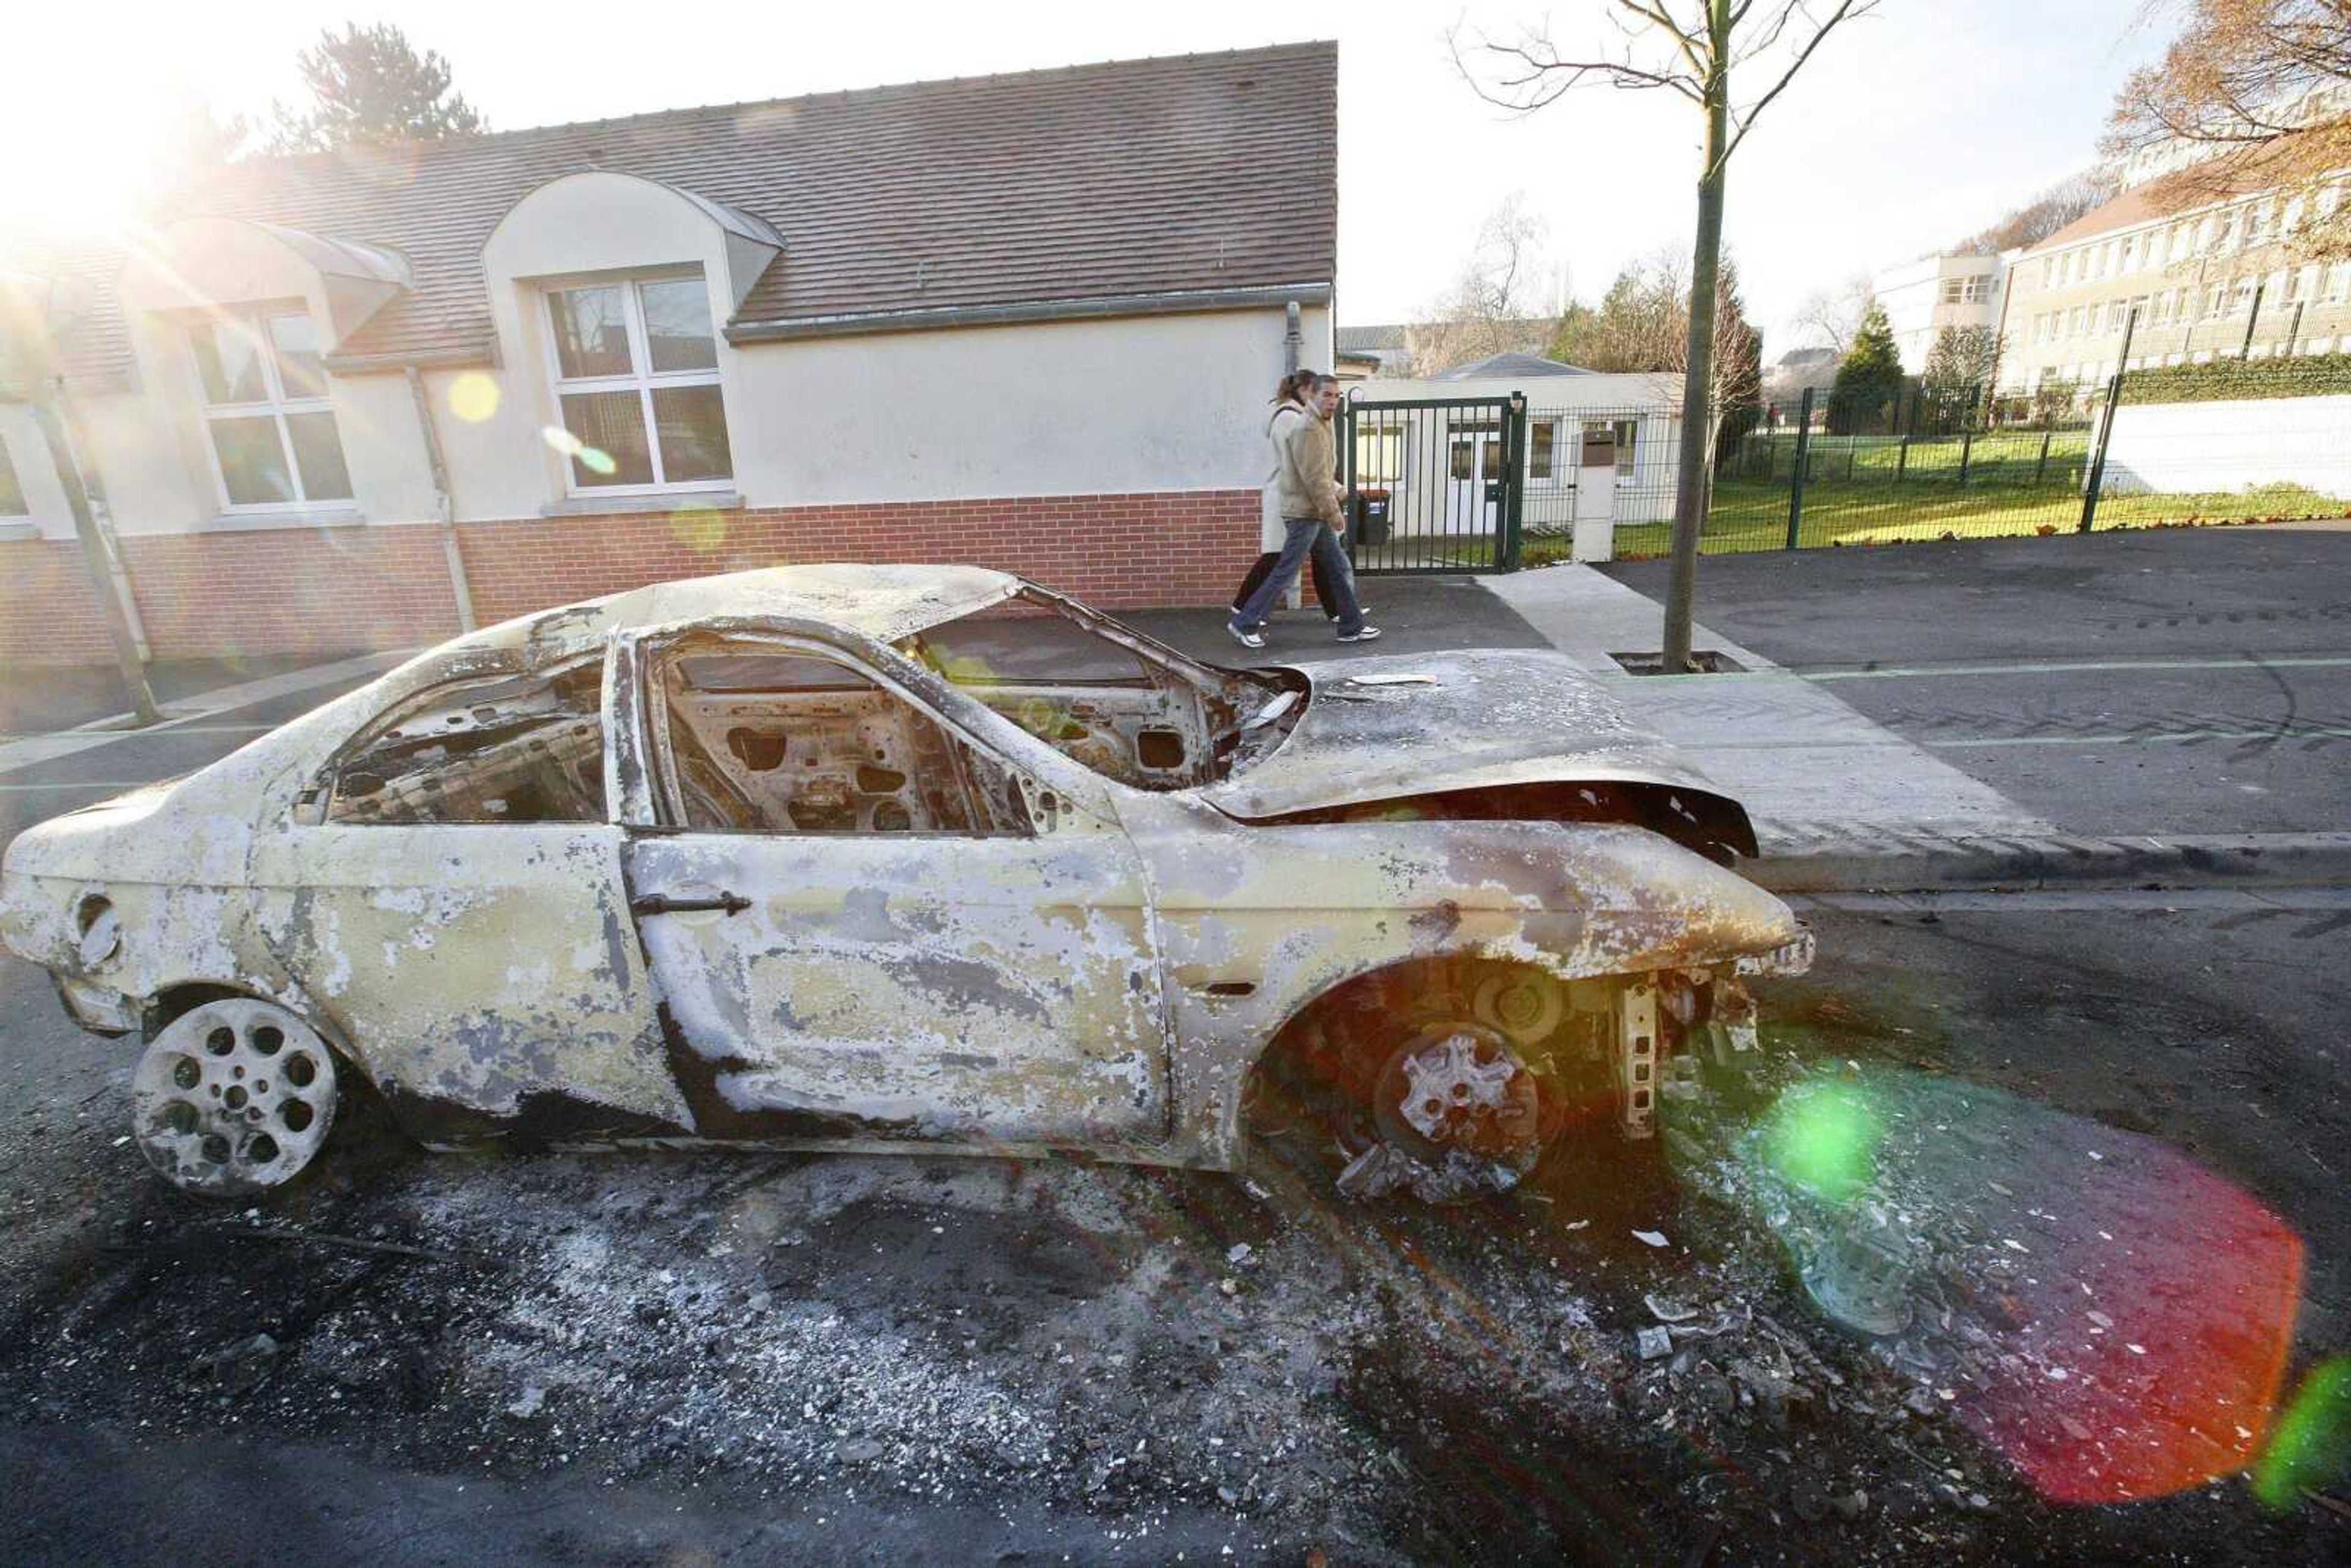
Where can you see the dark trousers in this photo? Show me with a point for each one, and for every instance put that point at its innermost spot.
(1325, 594)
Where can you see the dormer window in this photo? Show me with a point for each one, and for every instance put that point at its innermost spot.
(267, 422)
(635, 366)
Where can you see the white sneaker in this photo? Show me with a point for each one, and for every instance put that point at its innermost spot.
(1244, 636)
(1368, 633)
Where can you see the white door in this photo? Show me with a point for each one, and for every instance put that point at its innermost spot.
(1473, 472)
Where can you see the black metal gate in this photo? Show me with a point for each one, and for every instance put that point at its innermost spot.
(1441, 483)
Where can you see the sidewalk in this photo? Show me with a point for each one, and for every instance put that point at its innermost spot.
(1841, 802)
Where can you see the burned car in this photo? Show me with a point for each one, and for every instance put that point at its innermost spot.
(913, 859)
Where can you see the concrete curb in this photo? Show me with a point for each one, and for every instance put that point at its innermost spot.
(1923, 863)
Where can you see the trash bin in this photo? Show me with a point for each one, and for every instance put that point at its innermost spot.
(1370, 517)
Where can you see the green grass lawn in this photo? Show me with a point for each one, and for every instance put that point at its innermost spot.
(2001, 499)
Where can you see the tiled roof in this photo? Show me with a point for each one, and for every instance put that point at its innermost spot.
(1193, 173)
(1509, 364)
(1359, 339)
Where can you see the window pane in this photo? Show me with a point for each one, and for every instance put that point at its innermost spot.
(1540, 440)
(591, 331)
(253, 462)
(295, 339)
(318, 451)
(612, 427)
(677, 324)
(229, 361)
(693, 425)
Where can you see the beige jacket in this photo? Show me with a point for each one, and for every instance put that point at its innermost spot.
(1302, 486)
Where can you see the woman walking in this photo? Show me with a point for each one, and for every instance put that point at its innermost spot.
(1305, 498)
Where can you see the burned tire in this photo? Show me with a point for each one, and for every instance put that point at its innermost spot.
(1456, 1115)
(234, 1097)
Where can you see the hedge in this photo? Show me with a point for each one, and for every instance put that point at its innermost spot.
(2222, 380)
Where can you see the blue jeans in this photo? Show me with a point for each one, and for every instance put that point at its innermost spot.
(1305, 534)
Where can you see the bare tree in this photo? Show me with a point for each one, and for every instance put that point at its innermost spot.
(1829, 317)
(2044, 215)
(1690, 48)
(1499, 303)
(2252, 94)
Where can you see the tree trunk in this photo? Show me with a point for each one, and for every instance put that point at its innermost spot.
(1690, 488)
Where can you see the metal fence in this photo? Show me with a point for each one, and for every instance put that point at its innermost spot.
(1489, 485)
(1445, 479)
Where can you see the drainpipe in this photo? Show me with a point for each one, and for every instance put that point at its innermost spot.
(444, 506)
(1293, 339)
(106, 579)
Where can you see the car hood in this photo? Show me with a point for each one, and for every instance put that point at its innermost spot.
(1413, 725)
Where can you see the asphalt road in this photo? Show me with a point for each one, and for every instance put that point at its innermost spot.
(759, 1357)
(2191, 681)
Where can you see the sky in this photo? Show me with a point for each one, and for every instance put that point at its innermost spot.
(1909, 129)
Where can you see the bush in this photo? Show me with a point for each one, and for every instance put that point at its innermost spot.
(2224, 381)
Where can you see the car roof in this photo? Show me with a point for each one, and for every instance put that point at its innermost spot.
(883, 602)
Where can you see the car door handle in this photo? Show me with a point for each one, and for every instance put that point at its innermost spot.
(664, 904)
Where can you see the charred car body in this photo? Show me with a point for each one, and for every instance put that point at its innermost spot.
(907, 858)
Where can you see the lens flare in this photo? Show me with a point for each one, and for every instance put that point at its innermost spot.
(2312, 1450)
(2106, 1313)
(1824, 1138)
(595, 459)
(473, 397)
(700, 528)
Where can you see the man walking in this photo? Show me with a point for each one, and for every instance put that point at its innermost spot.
(1305, 457)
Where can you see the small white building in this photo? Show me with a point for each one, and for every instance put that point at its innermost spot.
(1923, 297)
(1440, 465)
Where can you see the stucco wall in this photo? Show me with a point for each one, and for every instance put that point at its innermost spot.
(2187, 448)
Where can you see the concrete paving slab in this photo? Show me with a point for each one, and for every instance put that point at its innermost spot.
(1810, 767)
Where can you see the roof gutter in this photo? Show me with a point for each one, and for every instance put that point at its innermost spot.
(472, 356)
(1100, 308)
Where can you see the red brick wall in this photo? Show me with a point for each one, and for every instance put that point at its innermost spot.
(347, 589)
(1114, 551)
(48, 614)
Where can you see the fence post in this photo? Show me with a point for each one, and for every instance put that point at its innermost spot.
(2041, 468)
(1902, 459)
(1803, 462)
(1514, 489)
(1968, 435)
(2097, 475)
(2252, 317)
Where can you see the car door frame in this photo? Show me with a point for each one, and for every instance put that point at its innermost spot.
(1061, 797)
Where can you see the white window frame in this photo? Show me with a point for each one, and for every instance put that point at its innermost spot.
(253, 321)
(643, 380)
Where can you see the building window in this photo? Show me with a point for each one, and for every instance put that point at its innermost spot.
(269, 426)
(1542, 443)
(636, 386)
(2129, 253)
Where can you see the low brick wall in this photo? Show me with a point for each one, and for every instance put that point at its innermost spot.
(351, 589)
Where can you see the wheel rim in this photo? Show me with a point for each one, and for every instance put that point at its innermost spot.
(1459, 1104)
(234, 1097)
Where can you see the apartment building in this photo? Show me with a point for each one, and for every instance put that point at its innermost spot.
(2222, 280)
(1921, 298)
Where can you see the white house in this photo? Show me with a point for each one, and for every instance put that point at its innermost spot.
(1440, 466)
(361, 399)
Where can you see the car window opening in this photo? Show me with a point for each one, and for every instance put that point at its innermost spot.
(776, 742)
(1112, 701)
(510, 749)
